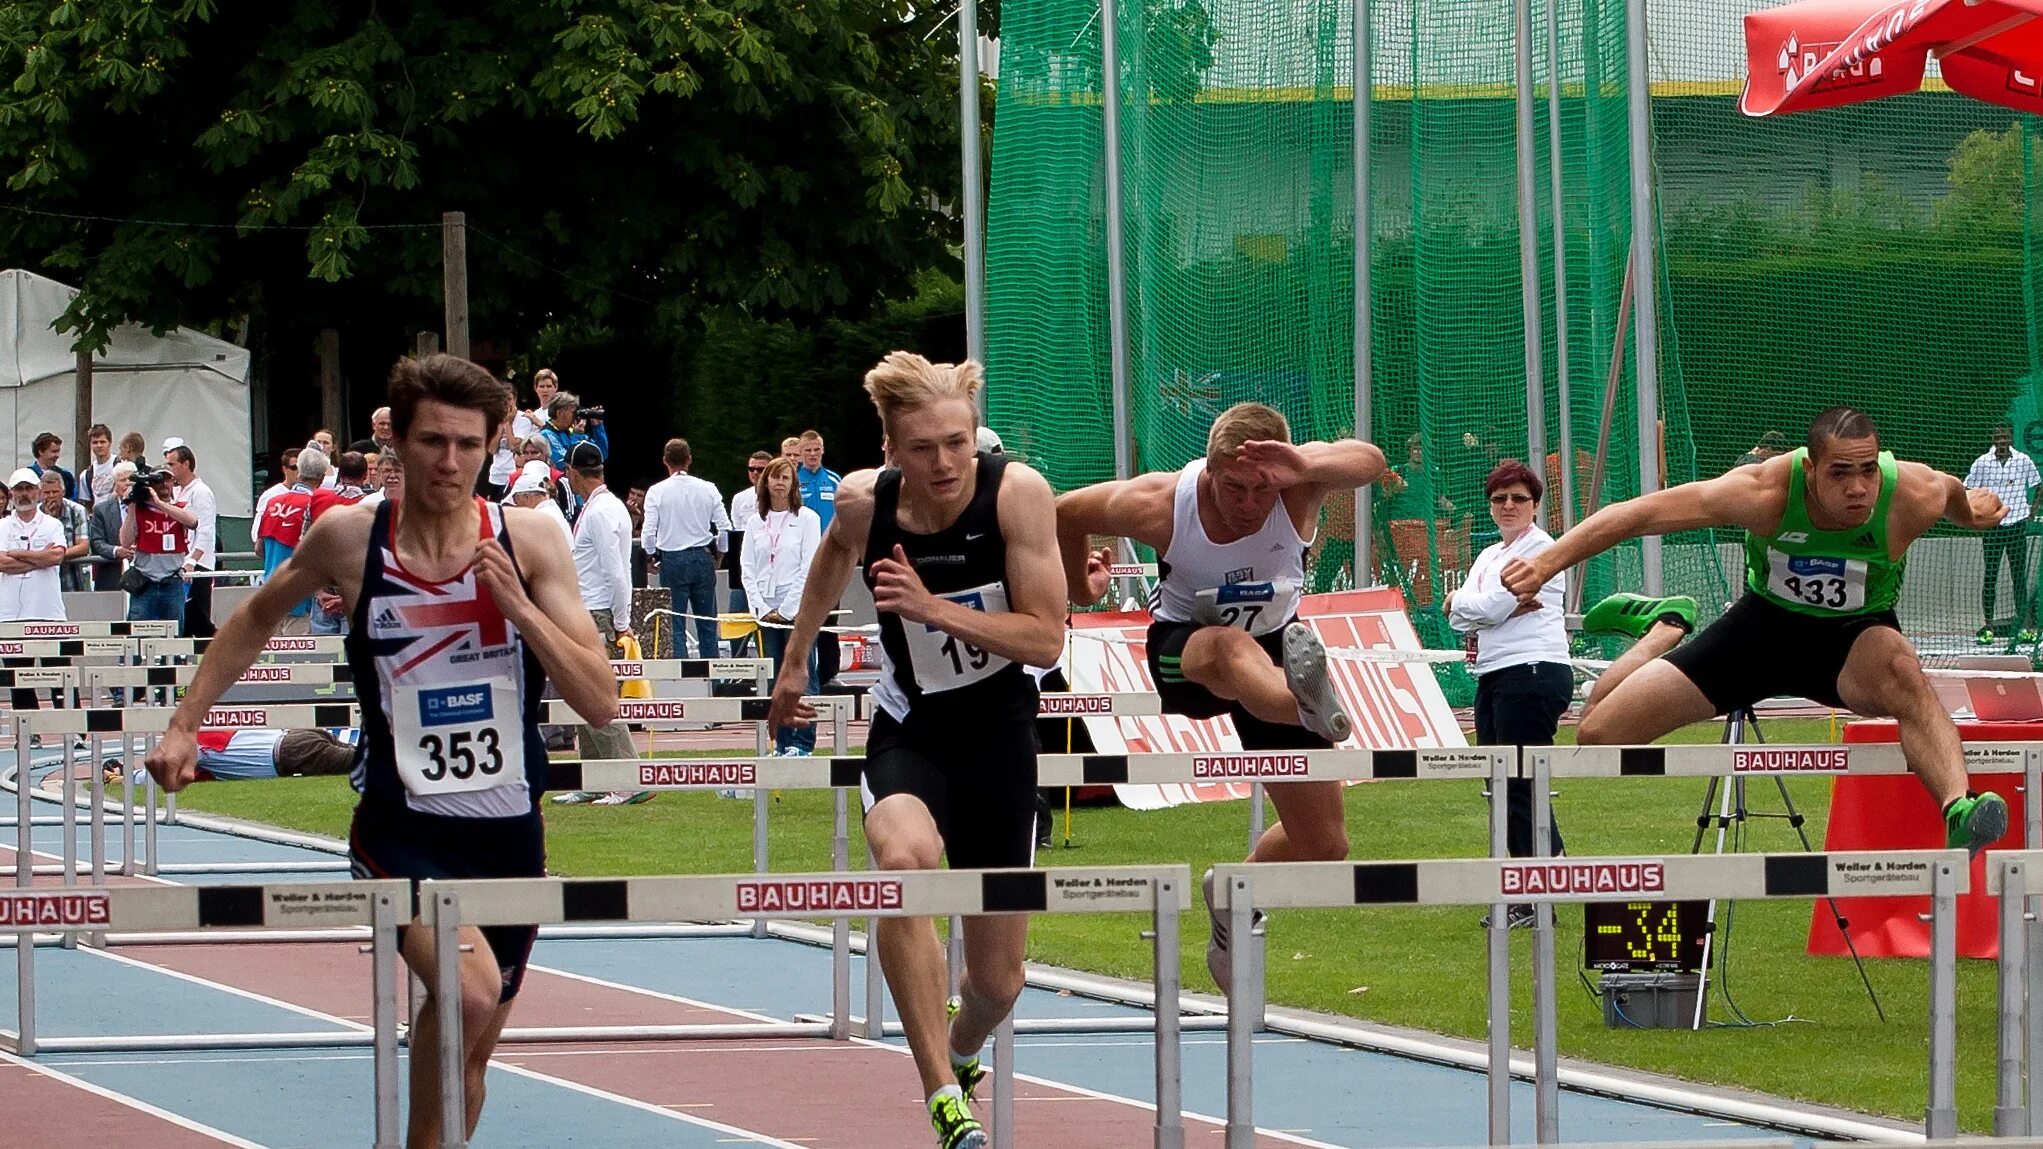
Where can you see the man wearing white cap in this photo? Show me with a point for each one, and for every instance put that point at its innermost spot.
(528, 490)
(31, 547)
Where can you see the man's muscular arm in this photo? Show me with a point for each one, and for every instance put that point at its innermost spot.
(1137, 508)
(1748, 497)
(1924, 494)
(546, 607)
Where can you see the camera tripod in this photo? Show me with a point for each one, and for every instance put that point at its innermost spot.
(1732, 812)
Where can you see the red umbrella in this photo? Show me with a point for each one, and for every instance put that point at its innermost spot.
(1823, 53)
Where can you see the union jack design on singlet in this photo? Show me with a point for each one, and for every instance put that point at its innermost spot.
(451, 725)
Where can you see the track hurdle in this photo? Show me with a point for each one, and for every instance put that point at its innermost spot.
(75, 910)
(1163, 892)
(2016, 876)
(1243, 890)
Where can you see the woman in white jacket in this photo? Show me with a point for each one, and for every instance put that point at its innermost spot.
(1524, 679)
(774, 569)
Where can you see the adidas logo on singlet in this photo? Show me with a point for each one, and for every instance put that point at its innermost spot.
(1865, 540)
(386, 618)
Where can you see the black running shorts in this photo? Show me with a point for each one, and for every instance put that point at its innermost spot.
(408, 844)
(1761, 650)
(1166, 645)
(978, 781)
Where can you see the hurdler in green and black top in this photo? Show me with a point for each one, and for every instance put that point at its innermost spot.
(1826, 572)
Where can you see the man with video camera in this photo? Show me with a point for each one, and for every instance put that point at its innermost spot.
(568, 423)
(156, 532)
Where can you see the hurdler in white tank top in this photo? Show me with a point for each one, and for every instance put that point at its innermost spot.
(1253, 583)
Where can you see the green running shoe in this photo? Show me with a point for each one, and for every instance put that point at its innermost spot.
(1975, 822)
(970, 1072)
(956, 1128)
(1984, 637)
(1635, 614)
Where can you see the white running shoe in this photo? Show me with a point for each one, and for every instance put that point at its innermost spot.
(1217, 962)
(1305, 671)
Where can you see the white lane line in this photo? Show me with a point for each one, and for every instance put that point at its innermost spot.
(642, 991)
(134, 1103)
(588, 1090)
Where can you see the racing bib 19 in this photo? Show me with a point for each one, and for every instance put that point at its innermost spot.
(458, 739)
(1817, 581)
(943, 661)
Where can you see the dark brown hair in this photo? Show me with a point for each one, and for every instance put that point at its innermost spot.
(445, 379)
(794, 485)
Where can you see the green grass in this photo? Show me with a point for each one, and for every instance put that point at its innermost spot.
(1422, 968)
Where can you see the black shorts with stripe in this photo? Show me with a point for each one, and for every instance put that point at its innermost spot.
(385, 843)
(1166, 650)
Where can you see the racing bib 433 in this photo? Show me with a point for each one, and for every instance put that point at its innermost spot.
(458, 739)
(1817, 580)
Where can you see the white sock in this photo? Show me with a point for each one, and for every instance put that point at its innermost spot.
(946, 1091)
(960, 1060)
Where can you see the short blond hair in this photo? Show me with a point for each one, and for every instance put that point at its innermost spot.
(905, 381)
(1244, 423)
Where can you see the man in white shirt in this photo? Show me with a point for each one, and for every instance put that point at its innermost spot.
(685, 528)
(2011, 475)
(95, 484)
(287, 464)
(744, 516)
(602, 553)
(193, 493)
(31, 547)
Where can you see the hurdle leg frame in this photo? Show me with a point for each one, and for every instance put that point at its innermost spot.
(1244, 1008)
(2031, 1056)
(840, 927)
(1499, 1075)
(1003, 1083)
(1170, 1123)
(2010, 1116)
(383, 991)
(446, 910)
(1546, 1078)
(760, 864)
(1940, 1120)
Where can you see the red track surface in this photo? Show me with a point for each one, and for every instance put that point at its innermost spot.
(808, 1091)
(43, 1112)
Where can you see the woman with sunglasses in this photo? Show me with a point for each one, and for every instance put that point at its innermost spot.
(744, 511)
(1523, 677)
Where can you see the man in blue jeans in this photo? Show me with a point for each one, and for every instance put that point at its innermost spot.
(685, 528)
(156, 532)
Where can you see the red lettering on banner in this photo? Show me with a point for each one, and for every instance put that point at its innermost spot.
(291, 644)
(239, 718)
(1249, 765)
(11, 648)
(1527, 879)
(696, 774)
(266, 674)
(628, 711)
(1818, 760)
(19, 910)
(628, 669)
(1057, 705)
(820, 896)
(50, 630)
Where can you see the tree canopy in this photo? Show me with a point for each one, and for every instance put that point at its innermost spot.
(625, 164)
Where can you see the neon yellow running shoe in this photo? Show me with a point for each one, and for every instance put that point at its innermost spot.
(956, 1128)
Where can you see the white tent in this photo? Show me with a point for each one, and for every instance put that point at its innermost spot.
(180, 383)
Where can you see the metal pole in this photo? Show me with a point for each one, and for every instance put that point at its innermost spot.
(1500, 963)
(1256, 815)
(1003, 1083)
(383, 990)
(2009, 1116)
(1562, 393)
(1241, 1019)
(1940, 1121)
(24, 874)
(759, 855)
(447, 997)
(1117, 263)
(1365, 252)
(1645, 309)
(974, 198)
(1170, 1122)
(954, 954)
(1546, 1089)
(1528, 241)
(875, 983)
